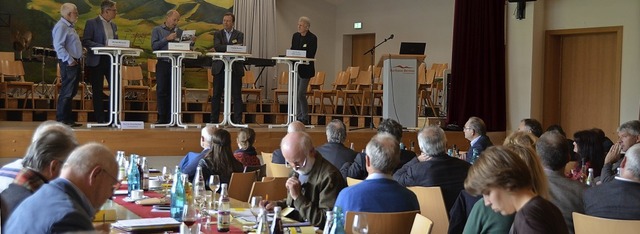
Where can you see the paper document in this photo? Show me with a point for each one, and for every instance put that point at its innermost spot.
(188, 35)
(146, 222)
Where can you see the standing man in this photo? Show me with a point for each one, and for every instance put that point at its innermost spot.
(97, 32)
(221, 39)
(160, 38)
(307, 41)
(68, 48)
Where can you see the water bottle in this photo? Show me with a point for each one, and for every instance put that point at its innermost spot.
(589, 181)
(144, 174)
(474, 156)
(177, 196)
(276, 226)
(224, 211)
(338, 221)
(328, 223)
(263, 223)
(121, 166)
(199, 191)
(133, 176)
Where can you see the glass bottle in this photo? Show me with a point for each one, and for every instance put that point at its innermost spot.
(122, 173)
(133, 176)
(144, 174)
(224, 211)
(328, 223)
(199, 191)
(338, 221)
(276, 226)
(589, 181)
(177, 196)
(263, 223)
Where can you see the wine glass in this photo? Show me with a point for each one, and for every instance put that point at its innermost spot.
(255, 206)
(189, 217)
(214, 182)
(360, 224)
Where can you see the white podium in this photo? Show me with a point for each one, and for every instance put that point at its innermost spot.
(292, 93)
(115, 102)
(399, 95)
(176, 57)
(228, 59)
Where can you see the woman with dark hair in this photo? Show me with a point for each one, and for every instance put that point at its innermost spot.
(220, 160)
(588, 146)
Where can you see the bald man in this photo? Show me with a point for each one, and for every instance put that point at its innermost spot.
(87, 180)
(160, 38)
(295, 126)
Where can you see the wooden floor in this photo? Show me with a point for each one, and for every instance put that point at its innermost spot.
(15, 138)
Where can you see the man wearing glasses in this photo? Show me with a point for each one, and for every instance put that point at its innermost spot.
(315, 184)
(476, 132)
(97, 32)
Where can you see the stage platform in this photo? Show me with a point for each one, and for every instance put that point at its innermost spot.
(15, 137)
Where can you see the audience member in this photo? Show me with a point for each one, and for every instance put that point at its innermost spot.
(588, 148)
(476, 132)
(620, 198)
(521, 138)
(358, 170)
(505, 181)
(314, 186)
(379, 192)
(434, 167)
(42, 163)
(219, 160)
(606, 142)
(628, 135)
(246, 153)
(334, 150)
(558, 128)
(566, 194)
(68, 203)
(189, 163)
(532, 126)
(295, 126)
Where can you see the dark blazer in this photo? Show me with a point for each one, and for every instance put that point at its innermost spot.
(566, 194)
(483, 143)
(277, 157)
(70, 213)
(358, 169)
(336, 153)
(308, 43)
(11, 198)
(94, 37)
(220, 43)
(447, 172)
(617, 199)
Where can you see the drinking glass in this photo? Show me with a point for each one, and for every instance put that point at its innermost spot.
(255, 206)
(214, 185)
(189, 216)
(360, 224)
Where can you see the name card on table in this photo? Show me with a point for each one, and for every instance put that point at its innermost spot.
(132, 125)
(179, 46)
(236, 49)
(297, 53)
(118, 43)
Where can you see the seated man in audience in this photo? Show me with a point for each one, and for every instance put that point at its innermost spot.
(434, 167)
(334, 150)
(68, 203)
(531, 125)
(566, 194)
(42, 163)
(628, 135)
(476, 132)
(294, 126)
(620, 198)
(315, 183)
(8, 172)
(358, 170)
(379, 192)
(189, 163)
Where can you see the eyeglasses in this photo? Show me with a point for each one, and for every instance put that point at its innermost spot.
(296, 165)
(117, 184)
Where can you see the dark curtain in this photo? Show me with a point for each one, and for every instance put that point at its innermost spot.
(478, 64)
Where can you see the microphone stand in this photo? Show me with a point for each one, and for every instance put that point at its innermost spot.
(373, 71)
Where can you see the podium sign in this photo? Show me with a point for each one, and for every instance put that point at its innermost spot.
(399, 90)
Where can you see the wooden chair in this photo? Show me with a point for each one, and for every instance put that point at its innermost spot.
(266, 160)
(439, 86)
(353, 73)
(279, 170)
(273, 188)
(249, 87)
(341, 82)
(261, 170)
(432, 207)
(133, 87)
(585, 224)
(395, 222)
(12, 81)
(425, 88)
(315, 84)
(151, 73)
(240, 185)
(358, 95)
(421, 225)
(352, 181)
(58, 85)
(282, 88)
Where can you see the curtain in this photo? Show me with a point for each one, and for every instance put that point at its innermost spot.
(257, 19)
(478, 64)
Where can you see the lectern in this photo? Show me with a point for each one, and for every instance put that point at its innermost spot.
(399, 93)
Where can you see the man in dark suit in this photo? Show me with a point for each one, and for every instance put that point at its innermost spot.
(221, 39)
(566, 194)
(476, 132)
(307, 41)
(620, 198)
(97, 32)
(68, 204)
(295, 126)
(334, 150)
(434, 167)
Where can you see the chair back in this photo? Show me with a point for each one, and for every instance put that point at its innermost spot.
(421, 225)
(364, 80)
(352, 181)
(266, 160)
(439, 67)
(381, 223)
(586, 224)
(279, 170)
(432, 206)
(316, 81)
(283, 80)
(133, 75)
(240, 185)
(151, 71)
(272, 188)
(353, 72)
(249, 79)
(11, 69)
(9, 56)
(342, 81)
(261, 170)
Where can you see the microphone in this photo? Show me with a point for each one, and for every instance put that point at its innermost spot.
(390, 37)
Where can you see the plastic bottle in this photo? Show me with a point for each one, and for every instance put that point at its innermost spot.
(224, 211)
(328, 223)
(133, 176)
(177, 196)
(276, 225)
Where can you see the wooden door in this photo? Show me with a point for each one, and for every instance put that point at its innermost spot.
(582, 80)
(361, 43)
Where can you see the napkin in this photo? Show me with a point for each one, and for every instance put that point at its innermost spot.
(151, 201)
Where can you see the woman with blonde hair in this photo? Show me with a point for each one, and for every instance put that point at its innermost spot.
(521, 138)
(246, 153)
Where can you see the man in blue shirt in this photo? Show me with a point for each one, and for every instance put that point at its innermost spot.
(189, 163)
(68, 47)
(379, 192)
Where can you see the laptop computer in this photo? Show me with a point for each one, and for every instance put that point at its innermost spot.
(412, 47)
